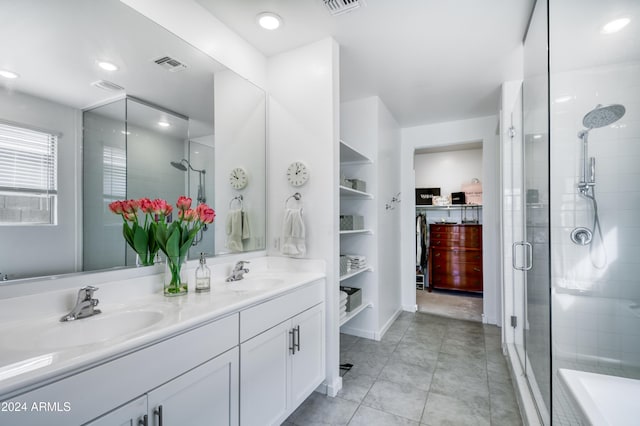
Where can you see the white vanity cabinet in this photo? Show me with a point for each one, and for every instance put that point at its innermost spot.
(206, 395)
(197, 368)
(282, 355)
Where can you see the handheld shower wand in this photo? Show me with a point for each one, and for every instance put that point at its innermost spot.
(600, 116)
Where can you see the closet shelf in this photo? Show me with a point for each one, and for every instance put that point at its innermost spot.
(357, 231)
(448, 207)
(355, 272)
(355, 312)
(349, 192)
(350, 155)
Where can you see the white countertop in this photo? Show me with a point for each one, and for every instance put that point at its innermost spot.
(26, 360)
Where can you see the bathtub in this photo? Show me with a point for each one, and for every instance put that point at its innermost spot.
(601, 399)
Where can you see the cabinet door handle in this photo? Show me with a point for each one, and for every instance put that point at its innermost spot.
(158, 412)
(297, 334)
(437, 254)
(292, 348)
(144, 421)
(477, 269)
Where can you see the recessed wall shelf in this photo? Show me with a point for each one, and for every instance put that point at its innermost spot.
(350, 155)
(349, 192)
(357, 231)
(355, 272)
(355, 312)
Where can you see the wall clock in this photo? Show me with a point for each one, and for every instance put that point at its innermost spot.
(297, 173)
(238, 178)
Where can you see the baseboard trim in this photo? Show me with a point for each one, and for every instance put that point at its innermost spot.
(389, 323)
(358, 332)
(410, 308)
(527, 406)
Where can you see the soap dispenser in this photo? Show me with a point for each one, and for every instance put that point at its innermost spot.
(203, 276)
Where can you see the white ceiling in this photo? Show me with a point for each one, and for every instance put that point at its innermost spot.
(54, 47)
(429, 60)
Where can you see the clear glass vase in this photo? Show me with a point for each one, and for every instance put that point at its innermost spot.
(175, 276)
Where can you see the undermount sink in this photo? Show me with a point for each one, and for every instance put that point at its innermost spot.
(95, 329)
(254, 284)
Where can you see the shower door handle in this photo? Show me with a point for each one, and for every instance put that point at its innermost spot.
(529, 255)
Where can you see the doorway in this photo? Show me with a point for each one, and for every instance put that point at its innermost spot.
(448, 227)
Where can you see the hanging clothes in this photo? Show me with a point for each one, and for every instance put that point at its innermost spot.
(422, 240)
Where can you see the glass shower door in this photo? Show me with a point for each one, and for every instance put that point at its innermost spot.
(536, 248)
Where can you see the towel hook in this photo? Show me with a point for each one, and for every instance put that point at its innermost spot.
(238, 198)
(297, 196)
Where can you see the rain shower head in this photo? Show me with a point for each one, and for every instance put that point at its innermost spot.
(179, 165)
(603, 115)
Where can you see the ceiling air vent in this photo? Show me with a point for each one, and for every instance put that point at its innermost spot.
(338, 7)
(170, 64)
(107, 85)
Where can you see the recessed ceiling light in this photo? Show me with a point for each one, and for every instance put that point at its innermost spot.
(563, 99)
(107, 66)
(269, 20)
(8, 74)
(163, 124)
(615, 26)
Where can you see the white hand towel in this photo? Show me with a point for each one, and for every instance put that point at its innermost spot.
(293, 234)
(234, 230)
(343, 295)
(246, 229)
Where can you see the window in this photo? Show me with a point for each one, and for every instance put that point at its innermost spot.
(114, 164)
(28, 175)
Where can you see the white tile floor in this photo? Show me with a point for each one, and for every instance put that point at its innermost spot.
(427, 370)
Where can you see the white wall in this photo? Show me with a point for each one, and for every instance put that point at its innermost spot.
(447, 134)
(447, 170)
(303, 122)
(198, 27)
(240, 125)
(388, 234)
(47, 249)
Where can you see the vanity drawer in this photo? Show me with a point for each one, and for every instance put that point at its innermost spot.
(257, 319)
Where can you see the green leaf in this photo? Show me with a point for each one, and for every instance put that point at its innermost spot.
(140, 241)
(173, 244)
(127, 234)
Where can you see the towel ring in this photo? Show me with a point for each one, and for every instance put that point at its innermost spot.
(297, 196)
(236, 198)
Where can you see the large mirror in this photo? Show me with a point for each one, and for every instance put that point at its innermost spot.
(106, 105)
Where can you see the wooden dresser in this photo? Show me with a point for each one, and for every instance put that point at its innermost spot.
(455, 257)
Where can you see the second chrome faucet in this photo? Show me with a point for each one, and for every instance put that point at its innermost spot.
(85, 305)
(238, 271)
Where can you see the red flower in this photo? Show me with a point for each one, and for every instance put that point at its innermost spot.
(206, 214)
(160, 206)
(188, 215)
(131, 217)
(130, 206)
(116, 207)
(183, 203)
(146, 205)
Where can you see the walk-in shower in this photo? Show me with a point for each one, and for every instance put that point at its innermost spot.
(182, 165)
(600, 116)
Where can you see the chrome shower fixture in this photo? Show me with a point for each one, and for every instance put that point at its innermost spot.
(600, 116)
(182, 166)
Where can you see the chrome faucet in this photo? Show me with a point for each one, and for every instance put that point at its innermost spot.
(84, 305)
(238, 271)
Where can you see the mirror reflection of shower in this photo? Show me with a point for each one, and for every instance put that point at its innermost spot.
(184, 165)
(600, 116)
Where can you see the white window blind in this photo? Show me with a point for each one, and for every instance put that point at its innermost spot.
(114, 165)
(28, 161)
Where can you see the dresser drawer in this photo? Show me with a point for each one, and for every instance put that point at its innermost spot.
(456, 255)
(457, 282)
(461, 242)
(454, 268)
(468, 230)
